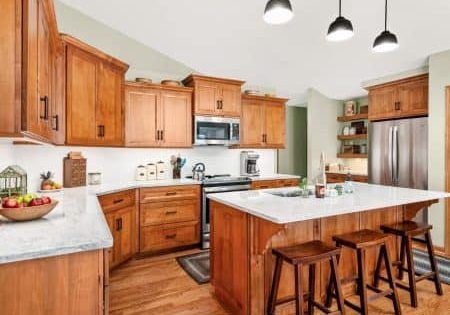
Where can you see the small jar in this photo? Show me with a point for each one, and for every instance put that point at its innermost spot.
(94, 178)
(320, 190)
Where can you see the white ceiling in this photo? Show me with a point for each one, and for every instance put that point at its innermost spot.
(229, 38)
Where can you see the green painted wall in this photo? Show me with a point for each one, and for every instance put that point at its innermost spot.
(144, 61)
(293, 159)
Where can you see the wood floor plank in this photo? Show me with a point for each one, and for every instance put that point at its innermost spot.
(158, 285)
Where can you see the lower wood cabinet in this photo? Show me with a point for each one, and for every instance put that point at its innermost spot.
(276, 183)
(121, 213)
(333, 178)
(169, 218)
(70, 284)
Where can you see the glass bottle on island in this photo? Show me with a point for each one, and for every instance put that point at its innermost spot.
(321, 179)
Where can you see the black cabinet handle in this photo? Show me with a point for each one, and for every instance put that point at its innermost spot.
(218, 104)
(162, 134)
(171, 212)
(158, 136)
(262, 138)
(119, 224)
(117, 201)
(397, 105)
(56, 121)
(171, 236)
(171, 193)
(101, 131)
(45, 100)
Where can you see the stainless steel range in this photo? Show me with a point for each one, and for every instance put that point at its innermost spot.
(217, 184)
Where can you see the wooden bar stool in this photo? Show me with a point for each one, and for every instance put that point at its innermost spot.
(407, 231)
(307, 254)
(361, 241)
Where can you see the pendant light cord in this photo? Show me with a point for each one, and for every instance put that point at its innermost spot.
(340, 8)
(385, 15)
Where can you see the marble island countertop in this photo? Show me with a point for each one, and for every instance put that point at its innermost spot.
(283, 210)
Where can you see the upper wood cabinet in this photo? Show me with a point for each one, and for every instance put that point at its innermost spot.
(263, 122)
(157, 116)
(30, 50)
(214, 96)
(94, 96)
(403, 98)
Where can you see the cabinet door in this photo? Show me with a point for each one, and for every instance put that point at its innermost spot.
(141, 117)
(81, 97)
(110, 219)
(413, 97)
(382, 103)
(109, 113)
(252, 123)
(124, 225)
(275, 125)
(230, 96)
(176, 119)
(206, 98)
(58, 102)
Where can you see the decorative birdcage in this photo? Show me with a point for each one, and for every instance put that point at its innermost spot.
(13, 181)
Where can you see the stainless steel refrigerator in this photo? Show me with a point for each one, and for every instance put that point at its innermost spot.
(398, 154)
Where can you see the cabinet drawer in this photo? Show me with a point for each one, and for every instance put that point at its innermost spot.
(156, 238)
(170, 193)
(264, 184)
(287, 182)
(170, 212)
(118, 200)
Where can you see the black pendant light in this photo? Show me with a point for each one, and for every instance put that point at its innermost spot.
(386, 41)
(278, 12)
(341, 29)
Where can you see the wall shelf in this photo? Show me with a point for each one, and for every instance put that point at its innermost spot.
(352, 156)
(353, 117)
(352, 137)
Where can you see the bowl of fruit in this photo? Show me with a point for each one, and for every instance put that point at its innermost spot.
(48, 184)
(27, 207)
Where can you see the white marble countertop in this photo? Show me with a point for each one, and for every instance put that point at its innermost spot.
(284, 210)
(77, 224)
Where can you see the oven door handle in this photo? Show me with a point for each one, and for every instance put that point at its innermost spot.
(218, 189)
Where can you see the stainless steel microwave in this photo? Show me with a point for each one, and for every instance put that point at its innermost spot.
(216, 130)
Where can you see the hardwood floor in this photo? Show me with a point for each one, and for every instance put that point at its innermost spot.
(158, 285)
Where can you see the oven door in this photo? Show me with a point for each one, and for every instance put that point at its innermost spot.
(215, 130)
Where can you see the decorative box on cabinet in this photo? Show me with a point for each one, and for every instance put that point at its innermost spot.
(215, 96)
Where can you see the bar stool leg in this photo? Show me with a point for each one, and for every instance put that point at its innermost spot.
(402, 258)
(411, 274)
(298, 289)
(387, 260)
(362, 282)
(330, 286)
(437, 280)
(376, 275)
(336, 279)
(312, 288)
(275, 284)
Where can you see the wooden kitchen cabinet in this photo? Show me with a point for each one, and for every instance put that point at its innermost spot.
(94, 96)
(274, 183)
(398, 99)
(121, 215)
(215, 96)
(169, 218)
(333, 178)
(263, 122)
(157, 116)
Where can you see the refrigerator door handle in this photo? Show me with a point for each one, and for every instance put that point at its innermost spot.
(390, 157)
(395, 153)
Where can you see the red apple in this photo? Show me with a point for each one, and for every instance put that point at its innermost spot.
(10, 203)
(36, 202)
(46, 200)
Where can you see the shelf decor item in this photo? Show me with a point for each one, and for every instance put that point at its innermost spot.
(13, 181)
(349, 108)
(74, 170)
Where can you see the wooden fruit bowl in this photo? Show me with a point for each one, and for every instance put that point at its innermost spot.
(28, 213)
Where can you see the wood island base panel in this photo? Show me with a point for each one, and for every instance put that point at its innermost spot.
(242, 263)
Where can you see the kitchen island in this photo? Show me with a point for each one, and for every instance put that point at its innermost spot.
(246, 225)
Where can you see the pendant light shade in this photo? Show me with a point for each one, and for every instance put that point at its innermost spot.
(341, 29)
(278, 12)
(386, 41)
